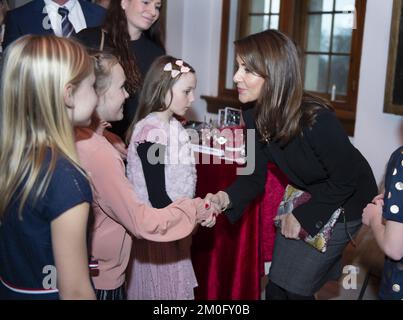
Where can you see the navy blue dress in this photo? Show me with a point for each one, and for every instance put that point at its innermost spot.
(392, 278)
(27, 266)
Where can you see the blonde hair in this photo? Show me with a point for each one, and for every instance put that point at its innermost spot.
(33, 114)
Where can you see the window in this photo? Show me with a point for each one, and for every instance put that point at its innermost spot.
(259, 15)
(328, 32)
(328, 49)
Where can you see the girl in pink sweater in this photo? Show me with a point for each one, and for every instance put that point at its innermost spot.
(161, 168)
(118, 213)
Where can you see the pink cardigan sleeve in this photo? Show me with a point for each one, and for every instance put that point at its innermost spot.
(115, 195)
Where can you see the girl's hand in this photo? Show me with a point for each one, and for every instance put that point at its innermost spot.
(378, 198)
(372, 213)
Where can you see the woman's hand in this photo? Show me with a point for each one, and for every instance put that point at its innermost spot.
(290, 227)
(221, 198)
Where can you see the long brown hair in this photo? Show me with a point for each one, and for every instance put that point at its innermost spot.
(282, 109)
(157, 84)
(116, 26)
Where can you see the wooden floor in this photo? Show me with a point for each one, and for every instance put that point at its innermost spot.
(366, 259)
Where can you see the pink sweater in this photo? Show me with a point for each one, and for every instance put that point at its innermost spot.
(118, 214)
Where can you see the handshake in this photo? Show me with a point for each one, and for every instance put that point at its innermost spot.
(217, 203)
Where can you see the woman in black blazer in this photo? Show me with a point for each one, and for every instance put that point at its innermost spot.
(302, 136)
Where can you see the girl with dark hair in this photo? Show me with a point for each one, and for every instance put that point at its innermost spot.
(302, 136)
(131, 32)
(163, 270)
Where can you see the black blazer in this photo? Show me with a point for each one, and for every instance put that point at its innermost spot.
(321, 161)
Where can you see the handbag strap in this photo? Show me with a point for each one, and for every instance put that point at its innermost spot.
(101, 45)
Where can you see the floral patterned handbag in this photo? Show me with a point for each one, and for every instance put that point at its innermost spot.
(294, 197)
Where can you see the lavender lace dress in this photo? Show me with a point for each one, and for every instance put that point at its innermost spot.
(162, 271)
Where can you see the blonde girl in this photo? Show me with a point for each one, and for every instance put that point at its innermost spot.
(47, 88)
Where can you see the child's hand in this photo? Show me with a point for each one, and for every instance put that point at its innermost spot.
(102, 126)
(372, 213)
(378, 199)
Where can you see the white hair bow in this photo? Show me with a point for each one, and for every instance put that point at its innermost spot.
(175, 72)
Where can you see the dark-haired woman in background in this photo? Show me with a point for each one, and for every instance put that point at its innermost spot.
(302, 136)
(131, 32)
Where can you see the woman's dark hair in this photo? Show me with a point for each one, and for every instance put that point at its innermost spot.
(116, 26)
(283, 108)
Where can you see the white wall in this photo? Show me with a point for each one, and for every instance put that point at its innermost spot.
(377, 134)
(175, 27)
(193, 33)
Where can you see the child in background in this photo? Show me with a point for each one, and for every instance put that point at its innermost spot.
(118, 213)
(47, 88)
(389, 236)
(161, 168)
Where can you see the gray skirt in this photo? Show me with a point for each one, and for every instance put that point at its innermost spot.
(301, 269)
